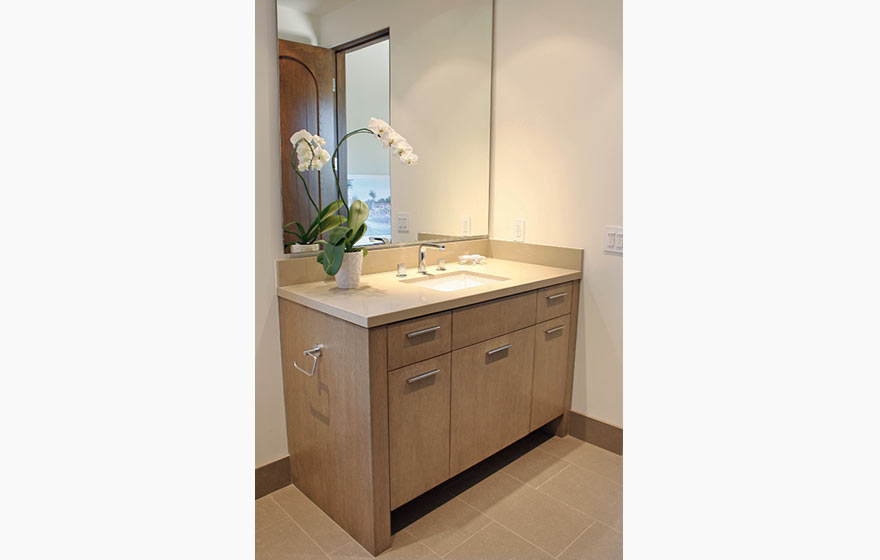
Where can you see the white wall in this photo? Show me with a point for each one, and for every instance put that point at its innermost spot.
(294, 25)
(271, 435)
(441, 56)
(557, 163)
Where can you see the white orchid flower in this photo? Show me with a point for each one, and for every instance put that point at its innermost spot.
(402, 147)
(301, 135)
(322, 156)
(391, 139)
(318, 141)
(409, 158)
(378, 126)
(304, 150)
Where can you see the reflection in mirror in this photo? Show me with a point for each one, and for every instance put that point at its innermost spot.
(423, 67)
(362, 92)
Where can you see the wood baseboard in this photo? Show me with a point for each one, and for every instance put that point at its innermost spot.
(271, 477)
(593, 431)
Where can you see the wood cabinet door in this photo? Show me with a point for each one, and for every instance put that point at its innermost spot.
(418, 425)
(491, 396)
(306, 101)
(551, 367)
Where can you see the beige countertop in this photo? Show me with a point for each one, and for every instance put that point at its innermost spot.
(383, 298)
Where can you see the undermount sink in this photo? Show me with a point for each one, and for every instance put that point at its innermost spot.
(454, 281)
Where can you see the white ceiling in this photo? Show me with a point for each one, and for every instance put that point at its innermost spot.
(314, 7)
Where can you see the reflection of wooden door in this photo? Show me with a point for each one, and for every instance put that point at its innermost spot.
(305, 80)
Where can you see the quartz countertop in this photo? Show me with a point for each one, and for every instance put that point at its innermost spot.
(383, 298)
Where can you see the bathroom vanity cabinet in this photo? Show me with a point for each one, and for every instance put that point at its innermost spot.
(396, 409)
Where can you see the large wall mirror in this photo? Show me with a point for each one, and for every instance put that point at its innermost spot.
(425, 68)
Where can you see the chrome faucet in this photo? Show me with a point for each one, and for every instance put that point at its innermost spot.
(422, 268)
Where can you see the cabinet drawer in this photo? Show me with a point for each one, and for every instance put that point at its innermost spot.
(491, 396)
(418, 424)
(551, 370)
(483, 321)
(419, 339)
(554, 301)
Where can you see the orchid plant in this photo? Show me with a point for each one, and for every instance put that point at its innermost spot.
(309, 153)
(344, 231)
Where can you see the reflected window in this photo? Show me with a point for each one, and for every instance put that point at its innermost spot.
(364, 81)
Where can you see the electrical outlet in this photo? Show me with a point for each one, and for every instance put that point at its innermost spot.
(465, 225)
(402, 222)
(612, 240)
(519, 230)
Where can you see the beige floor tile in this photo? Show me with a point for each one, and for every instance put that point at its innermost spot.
(448, 526)
(531, 514)
(596, 459)
(267, 512)
(588, 492)
(315, 522)
(284, 540)
(403, 547)
(597, 543)
(535, 467)
(494, 542)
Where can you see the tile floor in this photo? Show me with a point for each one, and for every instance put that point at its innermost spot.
(540, 499)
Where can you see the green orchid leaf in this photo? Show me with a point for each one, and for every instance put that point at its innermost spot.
(332, 258)
(329, 209)
(365, 251)
(357, 214)
(354, 237)
(330, 222)
(338, 235)
(322, 221)
(321, 257)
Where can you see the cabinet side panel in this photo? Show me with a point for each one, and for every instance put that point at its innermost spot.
(562, 428)
(379, 429)
(329, 424)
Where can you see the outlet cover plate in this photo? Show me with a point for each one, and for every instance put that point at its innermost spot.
(519, 230)
(403, 222)
(612, 240)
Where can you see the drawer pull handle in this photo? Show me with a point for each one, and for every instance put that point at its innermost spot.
(502, 349)
(553, 330)
(554, 296)
(422, 376)
(423, 331)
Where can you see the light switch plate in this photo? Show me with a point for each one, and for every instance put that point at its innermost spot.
(612, 240)
(519, 230)
(465, 225)
(403, 221)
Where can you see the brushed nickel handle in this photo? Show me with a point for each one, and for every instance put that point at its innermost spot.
(502, 349)
(557, 329)
(422, 376)
(554, 296)
(423, 331)
(313, 353)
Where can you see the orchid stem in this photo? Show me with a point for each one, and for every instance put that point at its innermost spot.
(333, 163)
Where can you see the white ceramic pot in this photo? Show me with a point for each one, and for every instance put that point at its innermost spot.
(349, 275)
(304, 248)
